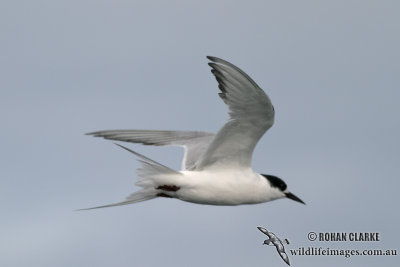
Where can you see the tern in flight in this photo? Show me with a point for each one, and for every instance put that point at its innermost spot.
(216, 168)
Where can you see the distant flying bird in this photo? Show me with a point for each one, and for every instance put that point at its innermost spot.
(273, 240)
(216, 168)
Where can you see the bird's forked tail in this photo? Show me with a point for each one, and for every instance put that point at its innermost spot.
(151, 176)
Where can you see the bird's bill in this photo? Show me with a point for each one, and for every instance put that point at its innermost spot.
(294, 197)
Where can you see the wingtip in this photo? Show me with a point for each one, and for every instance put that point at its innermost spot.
(262, 229)
(214, 67)
(94, 134)
(214, 59)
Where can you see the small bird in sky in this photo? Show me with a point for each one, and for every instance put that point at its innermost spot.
(273, 240)
(216, 168)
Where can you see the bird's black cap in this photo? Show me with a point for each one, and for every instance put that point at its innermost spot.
(275, 182)
(281, 185)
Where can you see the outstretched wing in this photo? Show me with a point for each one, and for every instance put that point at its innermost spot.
(195, 143)
(282, 253)
(251, 115)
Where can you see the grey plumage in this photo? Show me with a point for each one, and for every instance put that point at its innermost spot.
(251, 115)
(194, 142)
(216, 168)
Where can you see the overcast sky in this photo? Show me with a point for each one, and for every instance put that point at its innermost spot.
(331, 69)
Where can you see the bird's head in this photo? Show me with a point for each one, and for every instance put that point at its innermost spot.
(279, 185)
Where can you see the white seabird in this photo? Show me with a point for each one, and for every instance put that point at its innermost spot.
(216, 168)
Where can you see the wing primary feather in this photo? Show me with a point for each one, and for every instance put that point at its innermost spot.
(219, 60)
(194, 142)
(250, 115)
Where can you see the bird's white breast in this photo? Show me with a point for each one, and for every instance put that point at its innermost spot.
(233, 187)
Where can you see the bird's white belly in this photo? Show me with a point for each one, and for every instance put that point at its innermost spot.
(223, 188)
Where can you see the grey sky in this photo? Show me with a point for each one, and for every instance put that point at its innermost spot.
(331, 70)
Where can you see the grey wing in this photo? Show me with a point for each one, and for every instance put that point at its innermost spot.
(281, 251)
(266, 232)
(251, 115)
(195, 143)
